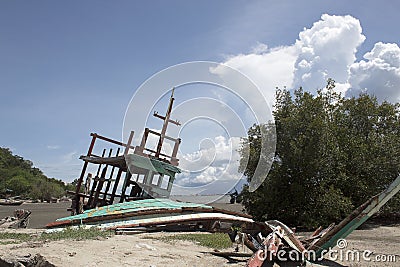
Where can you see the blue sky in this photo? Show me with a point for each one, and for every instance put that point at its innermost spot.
(68, 68)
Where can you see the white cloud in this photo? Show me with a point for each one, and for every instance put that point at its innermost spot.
(69, 157)
(53, 147)
(207, 176)
(212, 163)
(378, 74)
(268, 70)
(260, 48)
(326, 50)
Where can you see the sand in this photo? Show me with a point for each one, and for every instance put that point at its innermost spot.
(120, 250)
(140, 250)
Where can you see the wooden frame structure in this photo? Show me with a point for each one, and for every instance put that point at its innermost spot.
(126, 176)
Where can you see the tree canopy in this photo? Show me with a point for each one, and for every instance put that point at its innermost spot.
(18, 177)
(332, 154)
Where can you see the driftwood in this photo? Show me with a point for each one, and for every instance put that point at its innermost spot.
(19, 220)
(25, 261)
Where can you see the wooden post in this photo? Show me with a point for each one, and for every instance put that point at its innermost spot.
(75, 203)
(125, 186)
(139, 149)
(160, 179)
(110, 178)
(165, 124)
(99, 187)
(95, 181)
(100, 183)
(174, 160)
(170, 183)
(120, 171)
(128, 144)
(148, 177)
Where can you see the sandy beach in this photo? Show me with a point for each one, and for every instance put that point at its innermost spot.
(147, 249)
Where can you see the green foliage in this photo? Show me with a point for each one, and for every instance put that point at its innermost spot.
(18, 177)
(332, 154)
(18, 184)
(215, 240)
(13, 238)
(72, 186)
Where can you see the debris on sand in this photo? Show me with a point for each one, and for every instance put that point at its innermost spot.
(280, 238)
(26, 261)
(19, 220)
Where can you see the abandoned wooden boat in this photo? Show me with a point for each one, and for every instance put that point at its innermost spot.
(157, 214)
(133, 173)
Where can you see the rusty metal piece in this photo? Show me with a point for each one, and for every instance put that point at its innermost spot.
(309, 242)
(257, 259)
(317, 231)
(248, 243)
(288, 235)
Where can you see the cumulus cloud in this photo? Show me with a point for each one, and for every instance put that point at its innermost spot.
(325, 50)
(260, 48)
(378, 74)
(217, 161)
(268, 69)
